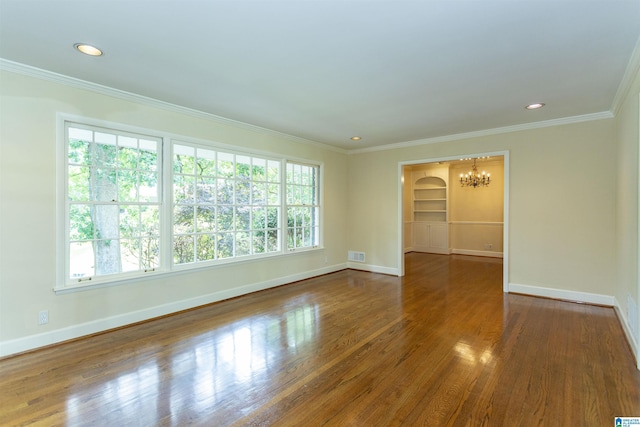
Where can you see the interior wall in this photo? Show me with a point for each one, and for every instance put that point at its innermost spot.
(627, 292)
(477, 214)
(28, 217)
(562, 231)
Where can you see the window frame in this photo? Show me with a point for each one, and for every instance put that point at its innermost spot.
(64, 283)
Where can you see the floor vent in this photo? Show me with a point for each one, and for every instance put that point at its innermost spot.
(356, 256)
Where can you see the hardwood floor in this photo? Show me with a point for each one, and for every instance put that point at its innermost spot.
(442, 346)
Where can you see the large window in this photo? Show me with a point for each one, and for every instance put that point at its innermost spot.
(224, 205)
(113, 202)
(303, 206)
(219, 205)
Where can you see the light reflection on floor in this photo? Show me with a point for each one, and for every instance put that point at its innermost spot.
(219, 366)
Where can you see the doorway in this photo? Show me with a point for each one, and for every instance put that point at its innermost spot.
(439, 215)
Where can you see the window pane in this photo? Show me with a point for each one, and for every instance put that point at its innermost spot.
(225, 218)
(243, 243)
(127, 186)
(243, 167)
(149, 221)
(225, 245)
(183, 159)
(79, 179)
(79, 152)
(104, 185)
(206, 162)
(225, 191)
(129, 221)
(81, 259)
(148, 187)
(106, 221)
(243, 218)
(243, 192)
(80, 222)
(183, 189)
(206, 188)
(206, 244)
(183, 219)
(130, 250)
(259, 170)
(225, 165)
(149, 253)
(205, 218)
(183, 249)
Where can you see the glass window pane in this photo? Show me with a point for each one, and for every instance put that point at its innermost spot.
(149, 253)
(206, 162)
(184, 159)
(106, 221)
(243, 192)
(104, 155)
(259, 170)
(81, 260)
(79, 180)
(183, 219)
(225, 191)
(243, 218)
(183, 249)
(81, 134)
(104, 185)
(243, 244)
(259, 243)
(79, 152)
(243, 167)
(225, 245)
(127, 186)
(258, 193)
(206, 247)
(224, 218)
(226, 166)
(80, 222)
(149, 221)
(129, 221)
(183, 189)
(273, 171)
(205, 218)
(148, 187)
(273, 241)
(130, 252)
(206, 188)
(127, 158)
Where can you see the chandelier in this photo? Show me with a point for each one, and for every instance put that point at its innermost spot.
(474, 179)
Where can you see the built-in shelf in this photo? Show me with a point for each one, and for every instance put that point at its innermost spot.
(430, 199)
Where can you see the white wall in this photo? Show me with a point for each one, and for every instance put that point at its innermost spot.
(28, 223)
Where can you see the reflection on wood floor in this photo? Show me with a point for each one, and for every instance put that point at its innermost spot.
(441, 346)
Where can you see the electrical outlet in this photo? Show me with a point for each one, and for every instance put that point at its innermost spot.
(43, 317)
(488, 246)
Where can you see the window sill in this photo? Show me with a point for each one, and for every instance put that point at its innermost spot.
(176, 270)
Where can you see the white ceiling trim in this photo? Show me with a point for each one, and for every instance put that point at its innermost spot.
(39, 73)
(489, 132)
(633, 68)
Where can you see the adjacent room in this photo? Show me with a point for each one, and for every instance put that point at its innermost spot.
(319, 213)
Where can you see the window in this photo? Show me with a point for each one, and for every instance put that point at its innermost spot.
(219, 205)
(224, 205)
(303, 207)
(112, 202)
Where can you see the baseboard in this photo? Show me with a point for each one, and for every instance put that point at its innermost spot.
(624, 321)
(562, 294)
(373, 268)
(33, 342)
(491, 254)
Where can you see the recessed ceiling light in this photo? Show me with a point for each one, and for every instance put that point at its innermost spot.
(534, 106)
(87, 49)
(356, 138)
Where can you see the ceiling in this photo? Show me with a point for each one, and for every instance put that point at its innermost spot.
(388, 71)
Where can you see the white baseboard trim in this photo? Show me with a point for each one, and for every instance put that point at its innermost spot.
(373, 268)
(33, 342)
(491, 254)
(562, 294)
(624, 321)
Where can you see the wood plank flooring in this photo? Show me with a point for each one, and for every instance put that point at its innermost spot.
(442, 346)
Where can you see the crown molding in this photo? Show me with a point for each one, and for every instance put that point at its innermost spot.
(633, 67)
(27, 70)
(488, 132)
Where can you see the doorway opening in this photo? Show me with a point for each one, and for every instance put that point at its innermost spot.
(438, 214)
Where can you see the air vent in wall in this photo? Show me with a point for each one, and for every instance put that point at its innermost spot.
(356, 256)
